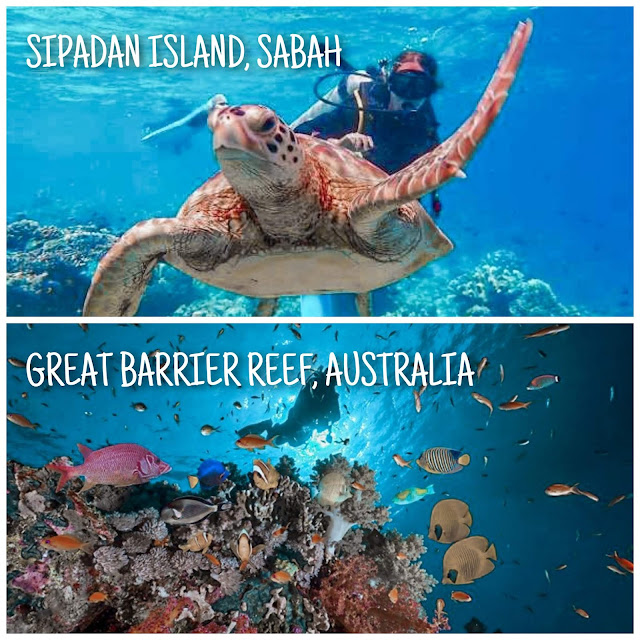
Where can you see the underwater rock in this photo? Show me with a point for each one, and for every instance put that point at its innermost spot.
(497, 286)
(148, 584)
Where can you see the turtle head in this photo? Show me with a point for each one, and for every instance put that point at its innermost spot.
(255, 148)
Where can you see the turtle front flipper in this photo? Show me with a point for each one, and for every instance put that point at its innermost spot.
(446, 161)
(124, 272)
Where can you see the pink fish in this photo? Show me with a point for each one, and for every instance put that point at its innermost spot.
(119, 465)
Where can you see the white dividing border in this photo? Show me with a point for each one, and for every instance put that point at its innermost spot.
(380, 320)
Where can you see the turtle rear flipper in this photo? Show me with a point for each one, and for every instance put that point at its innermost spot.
(433, 169)
(124, 272)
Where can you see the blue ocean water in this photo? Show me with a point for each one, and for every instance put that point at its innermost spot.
(553, 181)
(579, 430)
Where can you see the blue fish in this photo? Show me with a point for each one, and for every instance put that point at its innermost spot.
(211, 473)
(413, 495)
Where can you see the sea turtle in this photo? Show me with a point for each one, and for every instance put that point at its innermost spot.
(292, 214)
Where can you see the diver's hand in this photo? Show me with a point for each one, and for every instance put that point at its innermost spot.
(356, 142)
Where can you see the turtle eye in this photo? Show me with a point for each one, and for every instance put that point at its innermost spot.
(267, 125)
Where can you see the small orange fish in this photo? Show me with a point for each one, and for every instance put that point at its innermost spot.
(481, 365)
(98, 596)
(64, 543)
(280, 577)
(393, 595)
(17, 363)
(561, 567)
(556, 490)
(627, 565)
(402, 556)
(317, 538)
(617, 499)
(460, 596)
(581, 612)
(21, 421)
(416, 401)
(213, 559)
(397, 458)
(253, 441)
(358, 486)
(513, 405)
(548, 331)
(482, 400)
(615, 569)
(440, 604)
(280, 531)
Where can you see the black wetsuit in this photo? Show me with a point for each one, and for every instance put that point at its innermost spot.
(399, 137)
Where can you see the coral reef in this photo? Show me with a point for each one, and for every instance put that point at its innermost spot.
(49, 270)
(355, 594)
(127, 572)
(497, 286)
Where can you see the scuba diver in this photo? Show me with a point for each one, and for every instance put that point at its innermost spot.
(385, 115)
(313, 408)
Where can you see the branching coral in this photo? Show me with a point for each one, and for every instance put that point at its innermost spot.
(356, 597)
(359, 509)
